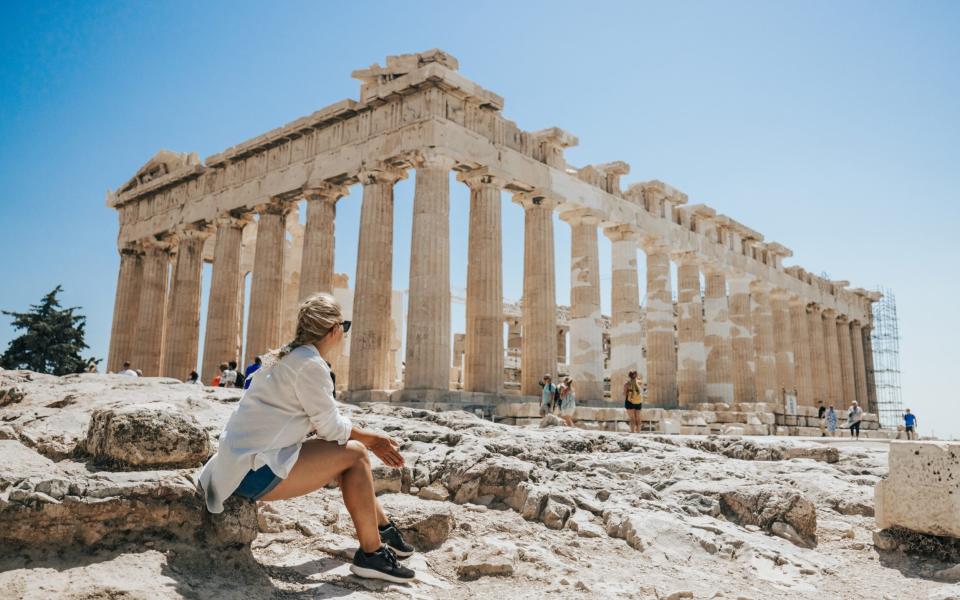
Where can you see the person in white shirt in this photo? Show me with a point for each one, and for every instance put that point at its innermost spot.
(127, 371)
(263, 454)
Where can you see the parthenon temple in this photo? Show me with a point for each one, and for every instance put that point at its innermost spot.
(741, 328)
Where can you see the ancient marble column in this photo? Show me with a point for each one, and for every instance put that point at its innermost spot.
(316, 264)
(148, 339)
(370, 336)
(868, 361)
(717, 339)
(428, 312)
(266, 286)
(221, 341)
(762, 314)
(849, 385)
(818, 355)
(744, 365)
(859, 365)
(661, 344)
(801, 352)
(483, 351)
(832, 345)
(626, 336)
(182, 337)
(292, 259)
(586, 331)
(539, 345)
(783, 344)
(691, 354)
(123, 333)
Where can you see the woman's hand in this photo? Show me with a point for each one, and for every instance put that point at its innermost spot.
(384, 447)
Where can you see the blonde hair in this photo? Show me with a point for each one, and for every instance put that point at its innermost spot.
(316, 317)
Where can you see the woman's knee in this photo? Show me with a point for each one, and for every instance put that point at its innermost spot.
(357, 451)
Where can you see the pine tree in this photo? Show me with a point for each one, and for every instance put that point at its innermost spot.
(52, 339)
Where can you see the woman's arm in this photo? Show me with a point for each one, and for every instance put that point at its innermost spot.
(314, 389)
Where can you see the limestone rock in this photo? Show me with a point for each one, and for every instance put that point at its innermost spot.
(486, 561)
(426, 529)
(769, 504)
(11, 395)
(551, 420)
(146, 436)
(919, 492)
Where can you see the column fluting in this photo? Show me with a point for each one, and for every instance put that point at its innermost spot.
(539, 344)
(586, 331)
(428, 313)
(626, 334)
(847, 381)
(222, 338)
(762, 314)
(483, 346)
(859, 365)
(266, 286)
(783, 345)
(801, 352)
(370, 336)
(123, 333)
(869, 367)
(316, 265)
(818, 355)
(661, 343)
(832, 345)
(717, 339)
(148, 342)
(691, 352)
(182, 337)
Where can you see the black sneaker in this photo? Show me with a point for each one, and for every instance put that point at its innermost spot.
(390, 536)
(382, 564)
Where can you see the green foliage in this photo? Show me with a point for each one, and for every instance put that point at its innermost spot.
(52, 339)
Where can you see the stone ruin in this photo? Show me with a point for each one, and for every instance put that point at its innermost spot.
(753, 350)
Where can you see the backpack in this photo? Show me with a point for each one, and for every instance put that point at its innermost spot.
(556, 396)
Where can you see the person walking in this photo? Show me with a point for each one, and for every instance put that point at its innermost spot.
(547, 393)
(263, 454)
(910, 424)
(633, 400)
(822, 417)
(250, 370)
(568, 401)
(831, 422)
(854, 416)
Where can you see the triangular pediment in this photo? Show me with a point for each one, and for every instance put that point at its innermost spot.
(162, 163)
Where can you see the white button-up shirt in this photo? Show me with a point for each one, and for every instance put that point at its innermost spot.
(271, 421)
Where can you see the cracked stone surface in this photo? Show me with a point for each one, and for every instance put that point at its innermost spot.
(500, 512)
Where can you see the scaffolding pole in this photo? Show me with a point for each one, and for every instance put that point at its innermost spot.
(885, 338)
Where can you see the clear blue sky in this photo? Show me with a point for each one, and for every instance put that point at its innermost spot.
(831, 127)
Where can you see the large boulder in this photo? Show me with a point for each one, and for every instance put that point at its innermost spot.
(778, 509)
(142, 436)
(919, 492)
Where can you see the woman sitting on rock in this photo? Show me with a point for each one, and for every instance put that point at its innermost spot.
(263, 454)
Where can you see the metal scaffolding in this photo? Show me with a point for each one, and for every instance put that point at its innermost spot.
(885, 339)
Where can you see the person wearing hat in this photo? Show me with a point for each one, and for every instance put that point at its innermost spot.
(549, 389)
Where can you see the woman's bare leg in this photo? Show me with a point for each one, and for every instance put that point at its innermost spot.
(321, 462)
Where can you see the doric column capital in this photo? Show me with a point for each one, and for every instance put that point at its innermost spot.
(654, 245)
(761, 286)
(797, 301)
(195, 231)
(843, 319)
(535, 198)
(829, 313)
(620, 233)
(164, 245)
(382, 174)
(856, 323)
(132, 249)
(781, 294)
(275, 206)
(237, 221)
(432, 159)
(687, 257)
(479, 178)
(325, 192)
(580, 216)
(813, 307)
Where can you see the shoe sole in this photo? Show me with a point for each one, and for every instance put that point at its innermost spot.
(401, 553)
(375, 574)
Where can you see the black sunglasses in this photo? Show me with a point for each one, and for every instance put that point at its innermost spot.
(346, 325)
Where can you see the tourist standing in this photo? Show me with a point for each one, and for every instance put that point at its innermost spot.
(910, 424)
(568, 402)
(228, 378)
(127, 371)
(822, 417)
(633, 400)
(831, 422)
(546, 394)
(249, 371)
(854, 416)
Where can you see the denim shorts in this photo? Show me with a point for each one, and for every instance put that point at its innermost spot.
(257, 484)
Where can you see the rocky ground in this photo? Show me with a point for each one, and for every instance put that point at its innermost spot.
(97, 501)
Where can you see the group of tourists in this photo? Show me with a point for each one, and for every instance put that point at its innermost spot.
(559, 400)
(229, 376)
